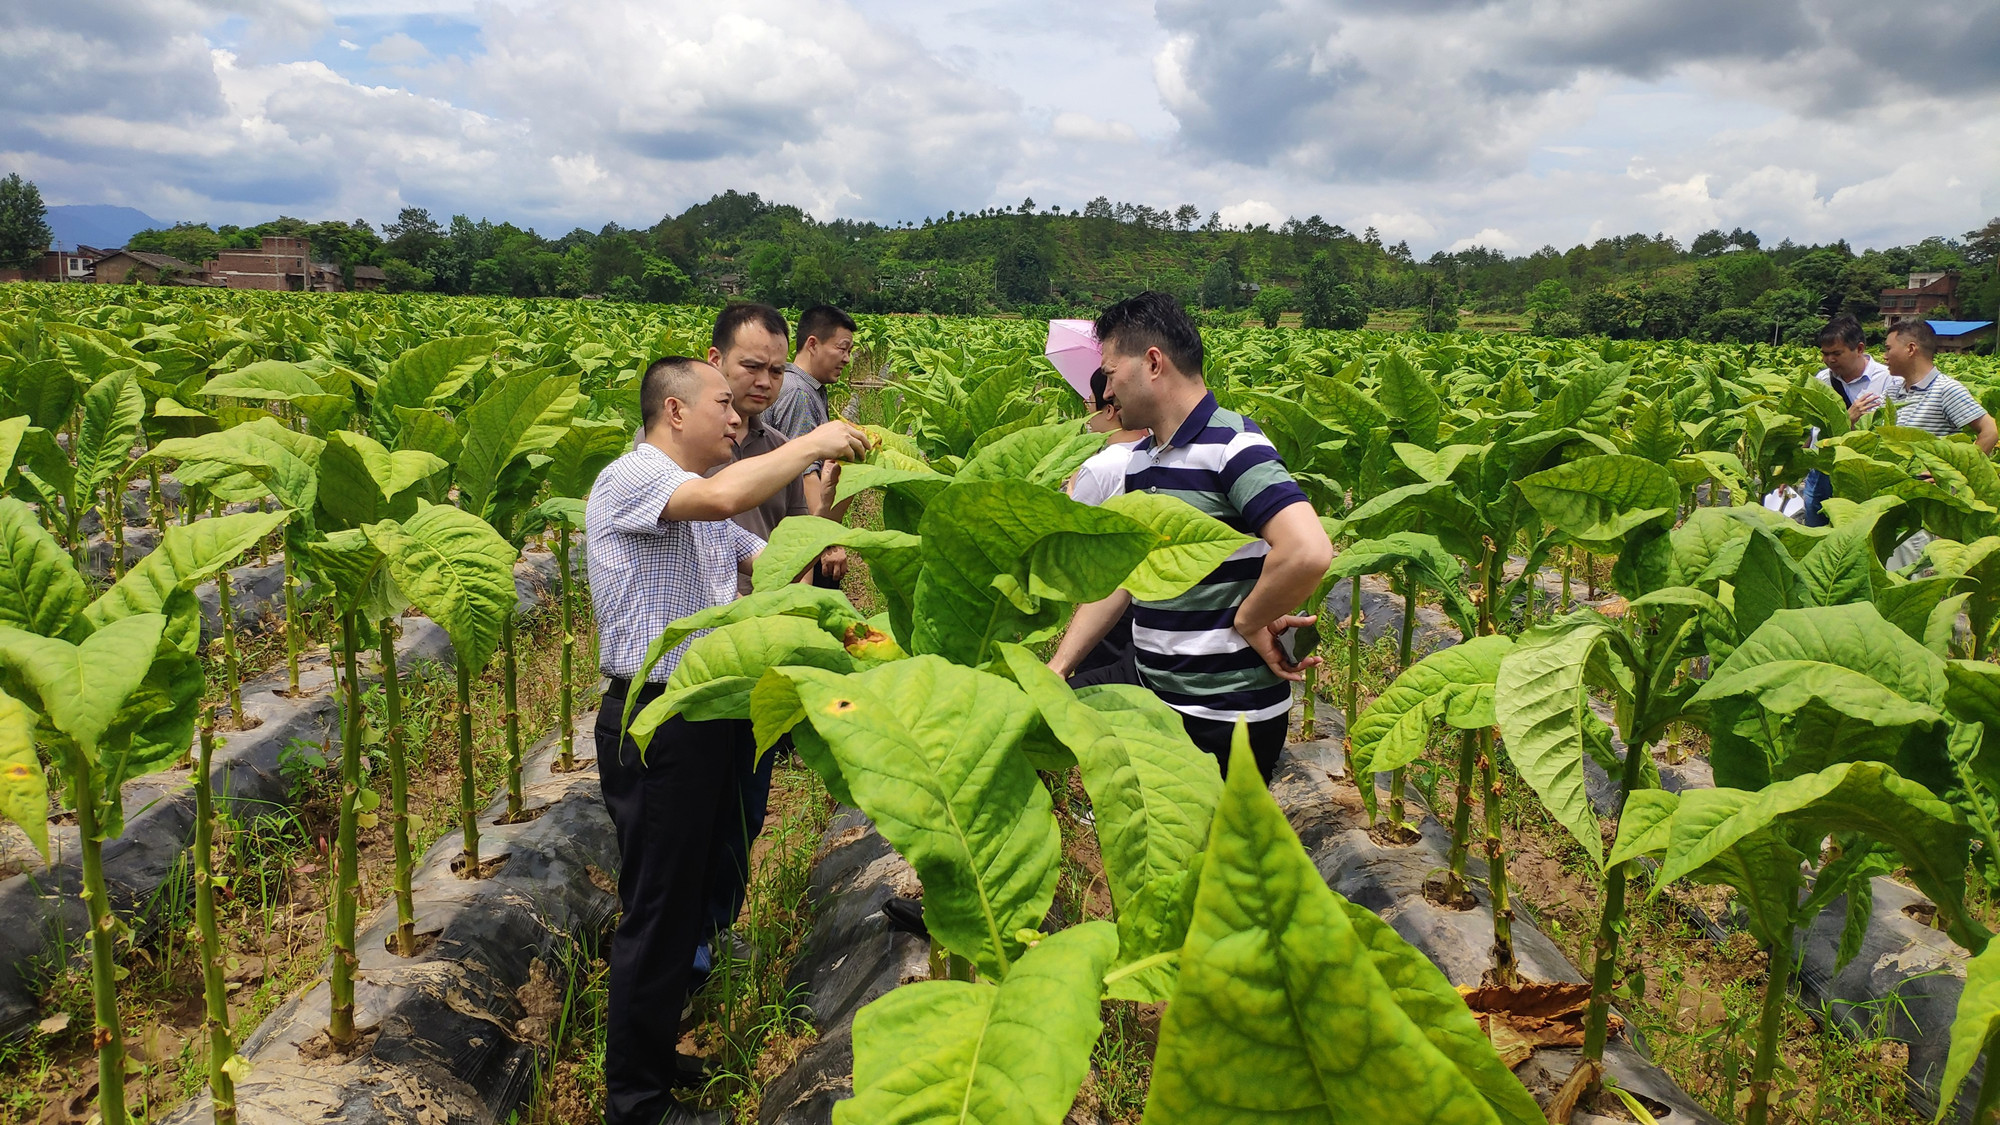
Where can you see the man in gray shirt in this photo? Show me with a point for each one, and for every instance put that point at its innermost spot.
(826, 343)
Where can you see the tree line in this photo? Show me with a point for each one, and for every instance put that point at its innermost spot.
(1045, 261)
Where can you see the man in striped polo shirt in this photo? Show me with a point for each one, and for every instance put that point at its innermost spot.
(1928, 399)
(1212, 654)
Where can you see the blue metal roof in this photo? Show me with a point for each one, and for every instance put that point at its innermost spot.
(1958, 327)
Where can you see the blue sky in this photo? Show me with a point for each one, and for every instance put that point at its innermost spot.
(1507, 123)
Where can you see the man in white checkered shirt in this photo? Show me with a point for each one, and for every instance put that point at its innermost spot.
(660, 546)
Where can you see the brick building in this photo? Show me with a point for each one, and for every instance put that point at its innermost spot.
(279, 264)
(1926, 295)
(121, 266)
(58, 265)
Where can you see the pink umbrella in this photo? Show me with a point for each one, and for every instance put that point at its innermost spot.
(1073, 349)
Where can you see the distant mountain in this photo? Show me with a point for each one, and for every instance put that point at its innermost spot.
(97, 224)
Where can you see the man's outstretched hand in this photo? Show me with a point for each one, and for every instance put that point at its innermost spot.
(1265, 642)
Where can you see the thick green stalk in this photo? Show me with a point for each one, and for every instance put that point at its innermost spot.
(1770, 1023)
(231, 678)
(1569, 558)
(1489, 589)
(1461, 816)
(1590, 575)
(1398, 815)
(1610, 925)
(340, 1024)
(1986, 1111)
(221, 1046)
(1407, 640)
(108, 1034)
(467, 812)
(294, 632)
(113, 512)
(511, 720)
(155, 500)
(1505, 970)
(568, 761)
(1353, 654)
(399, 789)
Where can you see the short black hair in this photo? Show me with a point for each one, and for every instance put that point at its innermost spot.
(1919, 332)
(734, 316)
(821, 322)
(1843, 330)
(1153, 320)
(1097, 382)
(674, 376)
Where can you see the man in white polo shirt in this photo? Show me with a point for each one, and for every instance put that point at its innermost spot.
(1861, 381)
(661, 546)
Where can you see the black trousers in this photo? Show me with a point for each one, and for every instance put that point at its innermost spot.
(674, 813)
(753, 794)
(1267, 740)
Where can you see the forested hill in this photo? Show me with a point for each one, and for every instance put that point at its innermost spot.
(1046, 261)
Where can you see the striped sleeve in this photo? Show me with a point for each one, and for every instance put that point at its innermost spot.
(1958, 405)
(1258, 484)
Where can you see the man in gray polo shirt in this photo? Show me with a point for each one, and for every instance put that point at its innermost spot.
(826, 343)
(1927, 399)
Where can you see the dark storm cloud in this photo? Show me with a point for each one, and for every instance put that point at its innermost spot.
(1366, 91)
(132, 61)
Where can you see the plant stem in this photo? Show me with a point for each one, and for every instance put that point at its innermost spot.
(1505, 971)
(1590, 575)
(1610, 925)
(399, 789)
(1461, 816)
(1353, 654)
(221, 1047)
(568, 761)
(1398, 816)
(294, 638)
(340, 1024)
(1986, 1110)
(468, 815)
(108, 1034)
(511, 720)
(1569, 557)
(1407, 640)
(231, 679)
(156, 501)
(1770, 1023)
(114, 520)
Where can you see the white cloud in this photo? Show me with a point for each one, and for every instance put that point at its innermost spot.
(1489, 238)
(1083, 127)
(398, 48)
(1251, 212)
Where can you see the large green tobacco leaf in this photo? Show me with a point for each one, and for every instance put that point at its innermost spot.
(1854, 637)
(830, 608)
(960, 1053)
(582, 452)
(1429, 999)
(433, 370)
(717, 672)
(45, 391)
(1280, 1012)
(1455, 684)
(12, 430)
(1152, 793)
(1408, 398)
(1602, 499)
(362, 482)
(1866, 797)
(273, 380)
(516, 416)
(1423, 556)
(894, 561)
(249, 461)
(454, 567)
(24, 791)
(1190, 544)
(1044, 455)
(775, 710)
(931, 752)
(1003, 561)
(113, 408)
(1974, 1025)
(1655, 435)
(1541, 701)
(186, 557)
(40, 590)
(80, 688)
